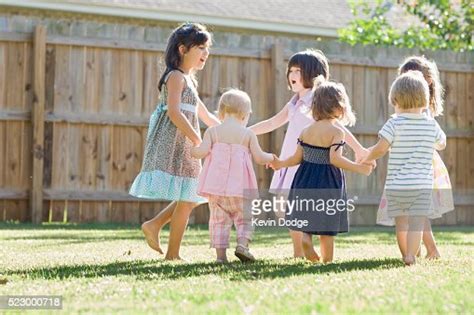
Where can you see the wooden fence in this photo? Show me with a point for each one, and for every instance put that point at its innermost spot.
(74, 114)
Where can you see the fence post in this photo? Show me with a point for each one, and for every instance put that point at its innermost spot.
(37, 122)
(278, 82)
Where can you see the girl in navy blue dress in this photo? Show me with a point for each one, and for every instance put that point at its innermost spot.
(318, 191)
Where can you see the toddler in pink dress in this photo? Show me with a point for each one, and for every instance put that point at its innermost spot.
(227, 177)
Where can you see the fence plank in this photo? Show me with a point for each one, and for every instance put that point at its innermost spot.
(3, 73)
(3, 154)
(462, 152)
(62, 73)
(36, 203)
(99, 98)
(277, 100)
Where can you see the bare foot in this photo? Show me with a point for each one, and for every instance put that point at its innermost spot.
(409, 260)
(152, 237)
(433, 255)
(177, 259)
(309, 252)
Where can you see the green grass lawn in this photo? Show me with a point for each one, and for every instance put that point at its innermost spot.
(109, 269)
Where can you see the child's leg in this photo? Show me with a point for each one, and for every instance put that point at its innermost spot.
(429, 241)
(220, 224)
(244, 230)
(179, 221)
(221, 255)
(401, 227)
(308, 248)
(414, 235)
(242, 221)
(327, 247)
(297, 238)
(152, 228)
(243, 225)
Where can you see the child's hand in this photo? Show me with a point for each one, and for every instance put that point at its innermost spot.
(276, 164)
(372, 163)
(366, 169)
(269, 164)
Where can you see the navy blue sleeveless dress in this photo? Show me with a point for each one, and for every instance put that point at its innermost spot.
(322, 186)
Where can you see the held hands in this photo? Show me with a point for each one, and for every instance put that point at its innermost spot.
(367, 166)
(269, 164)
(361, 158)
(276, 164)
(366, 169)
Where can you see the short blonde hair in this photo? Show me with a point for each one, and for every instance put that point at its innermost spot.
(330, 101)
(234, 102)
(410, 90)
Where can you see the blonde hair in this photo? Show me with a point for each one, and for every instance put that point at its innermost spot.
(409, 90)
(431, 74)
(330, 101)
(234, 102)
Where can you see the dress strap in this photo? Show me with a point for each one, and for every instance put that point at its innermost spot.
(170, 72)
(189, 82)
(338, 145)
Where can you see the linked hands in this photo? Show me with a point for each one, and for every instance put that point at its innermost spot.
(276, 164)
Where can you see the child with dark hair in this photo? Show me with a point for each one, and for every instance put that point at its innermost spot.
(320, 176)
(303, 67)
(169, 171)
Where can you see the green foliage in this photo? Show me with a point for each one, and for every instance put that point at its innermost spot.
(442, 25)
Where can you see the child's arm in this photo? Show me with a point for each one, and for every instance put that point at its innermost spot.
(258, 154)
(206, 116)
(293, 160)
(359, 150)
(440, 143)
(338, 160)
(386, 136)
(203, 149)
(378, 150)
(175, 86)
(271, 124)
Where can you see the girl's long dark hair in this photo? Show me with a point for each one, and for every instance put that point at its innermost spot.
(431, 73)
(188, 35)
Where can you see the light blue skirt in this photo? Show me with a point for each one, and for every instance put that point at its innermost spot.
(159, 185)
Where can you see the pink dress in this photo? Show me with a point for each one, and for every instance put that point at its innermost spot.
(228, 171)
(299, 118)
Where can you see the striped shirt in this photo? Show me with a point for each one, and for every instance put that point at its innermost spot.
(413, 139)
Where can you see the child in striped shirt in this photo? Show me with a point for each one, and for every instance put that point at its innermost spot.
(412, 138)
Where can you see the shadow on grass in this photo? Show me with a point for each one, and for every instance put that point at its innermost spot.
(192, 237)
(67, 226)
(235, 271)
(198, 234)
